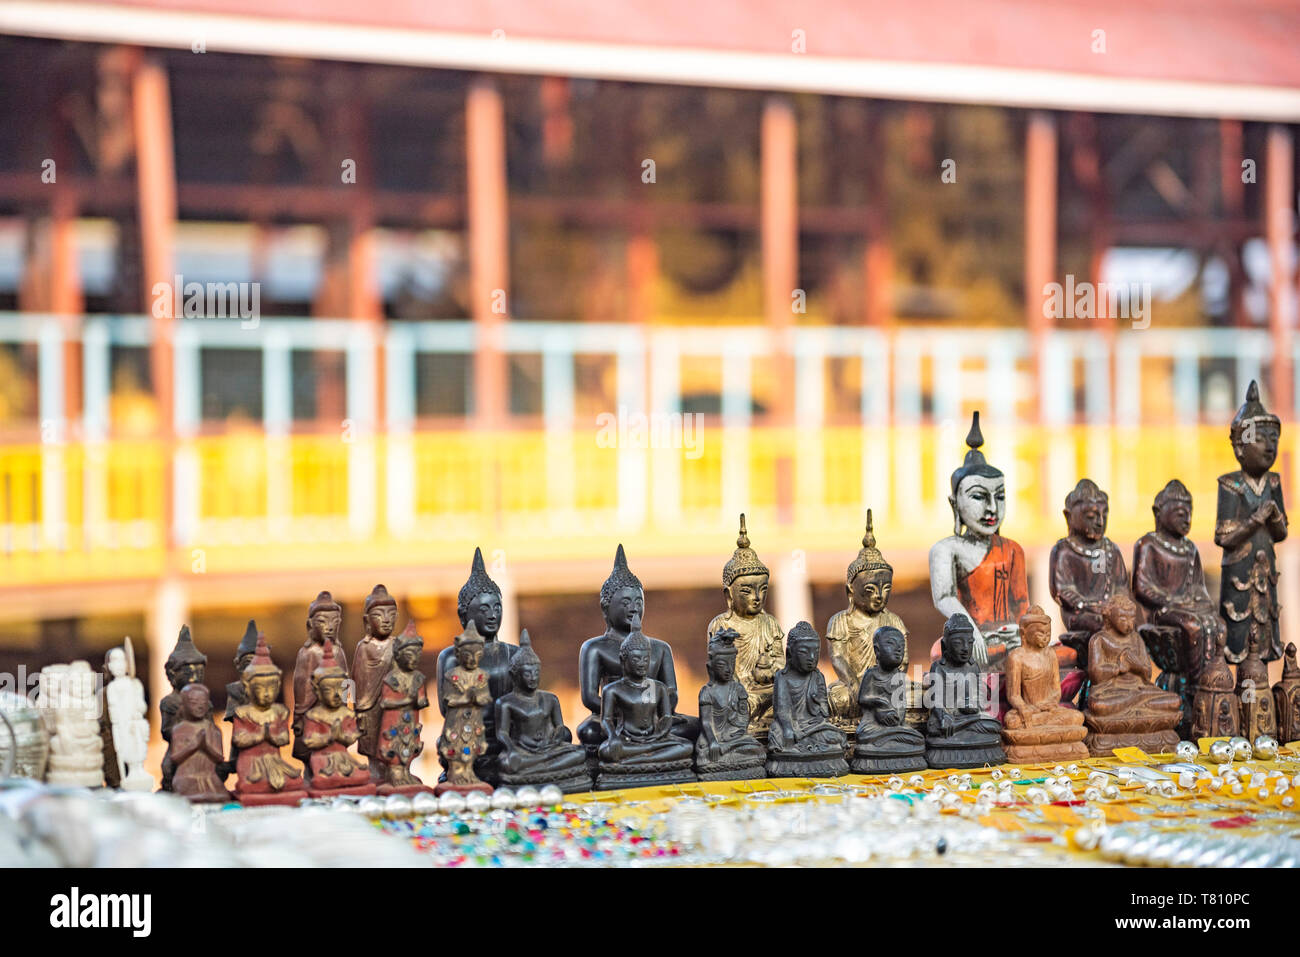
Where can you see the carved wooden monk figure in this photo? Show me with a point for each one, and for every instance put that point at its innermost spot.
(802, 741)
(959, 733)
(636, 714)
(725, 750)
(884, 742)
(1124, 708)
(235, 694)
(185, 665)
(1286, 698)
(261, 729)
(1087, 568)
(371, 661)
(1038, 727)
(324, 619)
(195, 749)
(329, 729)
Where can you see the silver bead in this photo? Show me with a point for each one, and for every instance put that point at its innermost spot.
(477, 801)
(1265, 747)
(552, 795)
(1221, 752)
(450, 802)
(1187, 751)
(503, 799)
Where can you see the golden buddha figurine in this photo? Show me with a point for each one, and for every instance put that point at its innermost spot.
(1038, 727)
(760, 653)
(850, 632)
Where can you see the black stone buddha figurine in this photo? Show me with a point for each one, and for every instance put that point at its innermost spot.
(884, 742)
(725, 750)
(802, 741)
(959, 733)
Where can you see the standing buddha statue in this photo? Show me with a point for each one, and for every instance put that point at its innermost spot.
(324, 619)
(1286, 698)
(463, 738)
(371, 661)
(401, 699)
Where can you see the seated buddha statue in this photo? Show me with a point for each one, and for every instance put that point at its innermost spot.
(329, 728)
(725, 750)
(802, 742)
(536, 747)
(884, 743)
(869, 581)
(636, 715)
(261, 729)
(959, 732)
(1087, 568)
(1124, 708)
(1038, 727)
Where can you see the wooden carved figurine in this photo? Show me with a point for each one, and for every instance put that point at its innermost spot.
(884, 743)
(850, 632)
(959, 732)
(1216, 709)
(235, 695)
(371, 661)
(324, 619)
(185, 665)
(261, 729)
(196, 751)
(124, 701)
(802, 742)
(463, 737)
(1087, 568)
(401, 699)
(1038, 728)
(67, 700)
(1286, 698)
(725, 750)
(1260, 589)
(329, 729)
(1251, 519)
(536, 747)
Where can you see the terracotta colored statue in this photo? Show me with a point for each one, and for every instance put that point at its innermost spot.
(68, 702)
(1260, 589)
(196, 749)
(1038, 727)
(371, 661)
(401, 699)
(850, 632)
(235, 695)
(125, 705)
(959, 732)
(884, 743)
(329, 728)
(1124, 708)
(1216, 709)
(725, 750)
(1286, 698)
(1251, 519)
(636, 715)
(324, 619)
(536, 747)
(480, 601)
(802, 742)
(463, 739)
(185, 665)
(261, 729)
(759, 652)
(622, 601)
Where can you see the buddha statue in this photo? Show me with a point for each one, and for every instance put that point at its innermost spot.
(464, 738)
(261, 729)
(1037, 727)
(196, 749)
(1087, 568)
(329, 728)
(850, 632)
(124, 700)
(67, 700)
(1260, 589)
(1124, 708)
(802, 742)
(959, 732)
(884, 743)
(536, 747)
(639, 748)
(725, 750)
(185, 665)
(622, 602)
(479, 601)
(1286, 698)
(1251, 519)
(401, 699)
(1185, 629)
(235, 695)
(759, 651)
(324, 620)
(1215, 704)
(371, 661)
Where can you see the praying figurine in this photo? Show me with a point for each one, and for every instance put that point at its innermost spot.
(324, 619)
(195, 750)
(401, 699)
(124, 701)
(235, 695)
(185, 665)
(1124, 708)
(1038, 728)
(1260, 589)
(371, 661)
(884, 743)
(1216, 709)
(622, 602)
(1087, 568)
(639, 748)
(959, 732)
(1251, 519)
(1286, 698)
(802, 742)
(329, 728)
(850, 632)
(536, 747)
(759, 652)
(463, 739)
(261, 730)
(67, 699)
(725, 750)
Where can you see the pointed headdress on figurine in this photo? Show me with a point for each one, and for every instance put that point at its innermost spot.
(378, 596)
(469, 637)
(525, 655)
(974, 463)
(184, 653)
(619, 578)
(478, 583)
(328, 667)
(248, 644)
(723, 642)
(1251, 413)
(407, 638)
(744, 560)
(261, 663)
(869, 558)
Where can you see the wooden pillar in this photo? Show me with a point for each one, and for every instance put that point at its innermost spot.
(1040, 234)
(1279, 227)
(779, 219)
(1234, 201)
(485, 146)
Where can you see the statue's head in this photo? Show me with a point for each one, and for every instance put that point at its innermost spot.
(247, 647)
(261, 678)
(1120, 613)
(196, 702)
(115, 662)
(328, 679)
(979, 492)
(186, 664)
(634, 654)
(890, 645)
(803, 648)
(722, 655)
(1036, 627)
(480, 599)
(869, 578)
(1173, 509)
(622, 599)
(1255, 433)
(379, 615)
(958, 640)
(324, 616)
(469, 647)
(1086, 510)
(525, 666)
(745, 578)
(407, 648)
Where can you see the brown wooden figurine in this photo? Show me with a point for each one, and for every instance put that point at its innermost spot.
(1252, 674)
(324, 619)
(329, 729)
(195, 749)
(371, 661)
(401, 699)
(185, 665)
(261, 729)
(1038, 727)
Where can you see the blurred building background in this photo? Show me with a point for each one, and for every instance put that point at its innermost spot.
(488, 244)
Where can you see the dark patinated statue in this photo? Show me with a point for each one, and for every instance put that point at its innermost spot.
(324, 619)
(725, 750)
(802, 742)
(1087, 568)
(371, 661)
(884, 742)
(959, 732)
(235, 695)
(185, 665)
(1286, 698)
